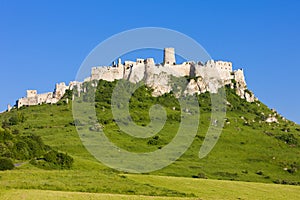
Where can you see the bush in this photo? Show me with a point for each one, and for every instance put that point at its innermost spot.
(259, 172)
(35, 145)
(17, 118)
(58, 159)
(200, 175)
(21, 150)
(286, 182)
(153, 140)
(288, 138)
(68, 94)
(6, 164)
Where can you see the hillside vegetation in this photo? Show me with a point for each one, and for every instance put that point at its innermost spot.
(43, 143)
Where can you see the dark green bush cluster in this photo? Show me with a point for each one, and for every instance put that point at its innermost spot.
(29, 147)
(200, 175)
(23, 147)
(20, 147)
(68, 94)
(15, 119)
(259, 172)
(54, 160)
(140, 102)
(226, 174)
(286, 182)
(288, 138)
(62, 160)
(6, 164)
(154, 140)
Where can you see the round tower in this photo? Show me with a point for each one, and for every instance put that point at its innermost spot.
(169, 56)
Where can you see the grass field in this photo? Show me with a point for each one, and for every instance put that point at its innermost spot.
(197, 188)
(249, 150)
(50, 195)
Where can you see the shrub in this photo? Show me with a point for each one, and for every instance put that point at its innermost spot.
(21, 150)
(6, 135)
(259, 172)
(153, 140)
(6, 164)
(15, 119)
(58, 159)
(35, 145)
(200, 175)
(288, 138)
(68, 94)
(226, 174)
(286, 182)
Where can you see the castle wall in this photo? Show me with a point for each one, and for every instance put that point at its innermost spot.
(107, 73)
(31, 93)
(33, 98)
(209, 77)
(27, 101)
(180, 70)
(239, 76)
(60, 90)
(44, 98)
(136, 73)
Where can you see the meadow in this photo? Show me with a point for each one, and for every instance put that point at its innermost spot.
(251, 160)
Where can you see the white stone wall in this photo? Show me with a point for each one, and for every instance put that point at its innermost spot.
(211, 76)
(60, 89)
(107, 73)
(31, 93)
(207, 77)
(33, 98)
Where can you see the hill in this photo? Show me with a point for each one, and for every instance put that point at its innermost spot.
(249, 148)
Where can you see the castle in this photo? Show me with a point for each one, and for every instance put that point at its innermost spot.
(209, 76)
(33, 98)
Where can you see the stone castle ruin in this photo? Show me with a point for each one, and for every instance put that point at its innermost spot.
(203, 77)
(33, 98)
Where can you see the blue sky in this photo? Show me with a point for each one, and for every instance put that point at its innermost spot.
(44, 42)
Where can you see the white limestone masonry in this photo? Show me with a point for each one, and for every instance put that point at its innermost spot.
(203, 77)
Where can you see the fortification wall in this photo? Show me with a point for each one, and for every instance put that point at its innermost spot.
(208, 77)
(31, 93)
(60, 90)
(215, 69)
(33, 98)
(107, 73)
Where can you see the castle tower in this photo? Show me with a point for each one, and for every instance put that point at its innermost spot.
(31, 93)
(169, 56)
(119, 62)
(9, 108)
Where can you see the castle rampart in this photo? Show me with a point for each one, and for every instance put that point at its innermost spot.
(207, 76)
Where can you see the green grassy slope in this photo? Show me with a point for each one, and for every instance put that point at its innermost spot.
(200, 188)
(249, 149)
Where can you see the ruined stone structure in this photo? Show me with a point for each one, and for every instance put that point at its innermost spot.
(33, 98)
(203, 77)
(169, 56)
(209, 76)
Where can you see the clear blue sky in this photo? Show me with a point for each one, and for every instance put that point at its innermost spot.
(44, 42)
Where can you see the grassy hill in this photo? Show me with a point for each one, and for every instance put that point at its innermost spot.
(249, 148)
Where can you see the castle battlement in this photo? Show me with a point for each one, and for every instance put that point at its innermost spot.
(214, 74)
(208, 76)
(188, 68)
(33, 98)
